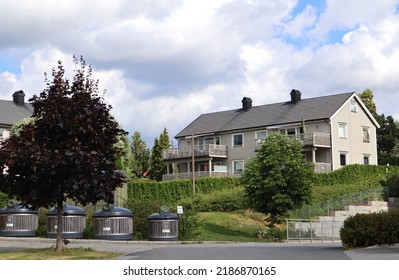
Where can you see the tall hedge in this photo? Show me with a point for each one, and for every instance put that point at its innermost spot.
(175, 190)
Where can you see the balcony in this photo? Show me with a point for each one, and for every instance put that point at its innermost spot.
(198, 174)
(320, 167)
(210, 150)
(315, 139)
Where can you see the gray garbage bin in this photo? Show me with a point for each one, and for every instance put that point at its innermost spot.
(73, 222)
(163, 226)
(18, 221)
(113, 223)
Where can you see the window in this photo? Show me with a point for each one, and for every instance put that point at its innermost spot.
(366, 134)
(261, 135)
(353, 106)
(238, 166)
(366, 159)
(208, 140)
(342, 159)
(238, 140)
(342, 130)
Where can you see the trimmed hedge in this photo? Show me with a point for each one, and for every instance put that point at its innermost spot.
(175, 190)
(363, 230)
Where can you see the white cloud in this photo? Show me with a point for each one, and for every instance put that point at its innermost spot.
(163, 63)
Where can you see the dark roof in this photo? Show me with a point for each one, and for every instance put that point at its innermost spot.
(266, 115)
(10, 112)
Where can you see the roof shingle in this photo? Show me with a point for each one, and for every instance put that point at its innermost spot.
(266, 115)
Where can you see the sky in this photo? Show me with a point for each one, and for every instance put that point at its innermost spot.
(164, 63)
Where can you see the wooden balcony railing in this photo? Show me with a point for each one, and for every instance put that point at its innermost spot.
(210, 150)
(316, 139)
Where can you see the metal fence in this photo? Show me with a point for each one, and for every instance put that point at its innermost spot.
(313, 230)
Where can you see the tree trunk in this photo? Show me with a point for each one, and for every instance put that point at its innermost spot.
(59, 243)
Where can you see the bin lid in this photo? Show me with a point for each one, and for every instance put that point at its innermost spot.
(164, 214)
(112, 211)
(68, 210)
(14, 208)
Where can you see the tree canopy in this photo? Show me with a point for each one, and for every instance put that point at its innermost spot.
(278, 179)
(68, 151)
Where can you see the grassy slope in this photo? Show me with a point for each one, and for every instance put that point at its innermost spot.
(241, 226)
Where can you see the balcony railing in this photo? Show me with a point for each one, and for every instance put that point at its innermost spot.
(322, 167)
(316, 139)
(210, 150)
(198, 174)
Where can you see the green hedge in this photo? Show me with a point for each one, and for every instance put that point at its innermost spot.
(363, 230)
(355, 173)
(175, 190)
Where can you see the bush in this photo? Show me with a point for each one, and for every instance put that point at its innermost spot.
(363, 230)
(393, 186)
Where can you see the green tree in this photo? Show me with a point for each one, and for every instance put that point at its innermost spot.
(278, 179)
(157, 165)
(367, 98)
(125, 160)
(141, 155)
(68, 151)
(387, 133)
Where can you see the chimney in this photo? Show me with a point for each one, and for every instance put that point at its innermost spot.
(19, 97)
(246, 103)
(295, 96)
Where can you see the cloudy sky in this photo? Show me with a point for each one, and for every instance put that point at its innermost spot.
(165, 62)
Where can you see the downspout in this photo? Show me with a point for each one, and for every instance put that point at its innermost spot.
(332, 145)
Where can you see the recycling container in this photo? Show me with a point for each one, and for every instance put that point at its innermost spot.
(73, 222)
(113, 223)
(18, 221)
(163, 226)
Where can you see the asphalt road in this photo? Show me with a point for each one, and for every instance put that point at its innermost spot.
(144, 250)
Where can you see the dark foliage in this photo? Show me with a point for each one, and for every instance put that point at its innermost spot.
(68, 150)
(363, 230)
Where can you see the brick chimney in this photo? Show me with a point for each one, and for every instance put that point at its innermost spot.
(246, 103)
(295, 96)
(19, 97)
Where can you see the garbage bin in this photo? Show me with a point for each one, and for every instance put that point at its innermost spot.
(113, 223)
(163, 226)
(18, 221)
(73, 222)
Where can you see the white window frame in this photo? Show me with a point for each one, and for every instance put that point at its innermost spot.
(342, 128)
(233, 164)
(366, 134)
(242, 140)
(353, 106)
(257, 135)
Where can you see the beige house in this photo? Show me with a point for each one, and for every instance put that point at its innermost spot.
(336, 130)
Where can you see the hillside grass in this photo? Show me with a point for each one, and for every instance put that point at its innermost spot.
(237, 226)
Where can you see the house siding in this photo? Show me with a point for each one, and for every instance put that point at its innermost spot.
(353, 145)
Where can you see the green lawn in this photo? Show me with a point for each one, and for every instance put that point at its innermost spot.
(51, 254)
(241, 226)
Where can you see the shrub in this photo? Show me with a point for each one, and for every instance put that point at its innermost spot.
(393, 186)
(363, 230)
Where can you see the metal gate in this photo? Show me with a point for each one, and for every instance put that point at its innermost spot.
(322, 230)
